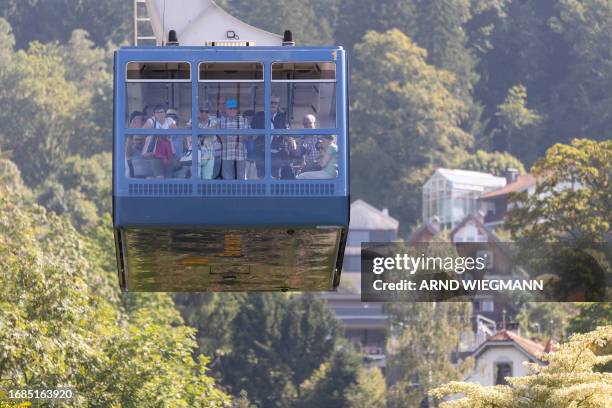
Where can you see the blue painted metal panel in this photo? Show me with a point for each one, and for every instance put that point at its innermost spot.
(230, 211)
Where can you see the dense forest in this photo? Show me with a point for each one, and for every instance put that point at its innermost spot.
(473, 84)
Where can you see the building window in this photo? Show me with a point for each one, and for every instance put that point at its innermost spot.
(487, 306)
(502, 370)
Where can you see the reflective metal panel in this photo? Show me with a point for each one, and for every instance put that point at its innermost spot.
(230, 259)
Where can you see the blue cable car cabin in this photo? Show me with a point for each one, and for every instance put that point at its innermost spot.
(230, 168)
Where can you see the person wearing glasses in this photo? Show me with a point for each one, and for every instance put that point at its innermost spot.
(278, 119)
(233, 166)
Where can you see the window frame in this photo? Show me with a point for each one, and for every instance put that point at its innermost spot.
(157, 80)
(263, 72)
(272, 80)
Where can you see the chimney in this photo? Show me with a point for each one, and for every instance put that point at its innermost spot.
(511, 175)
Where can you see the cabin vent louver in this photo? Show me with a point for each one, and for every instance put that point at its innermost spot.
(297, 189)
(232, 189)
(160, 189)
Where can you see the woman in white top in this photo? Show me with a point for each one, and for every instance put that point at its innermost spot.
(159, 148)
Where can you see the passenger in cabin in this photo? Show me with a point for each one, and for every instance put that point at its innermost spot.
(178, 142)
(141, 166)
(136, 121)
(184, 118)
(159, 149)
(159, 119)
(148, 111)
(233, 166)
(207, 120)
(309, 150)
(283, 150)
(328, 160)
(278, 120)
(172, 114)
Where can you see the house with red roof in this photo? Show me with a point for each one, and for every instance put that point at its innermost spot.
(503, 355)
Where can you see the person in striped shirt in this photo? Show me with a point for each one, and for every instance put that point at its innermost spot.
(233, 156)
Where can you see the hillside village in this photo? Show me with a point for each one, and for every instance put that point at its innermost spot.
(468, 206)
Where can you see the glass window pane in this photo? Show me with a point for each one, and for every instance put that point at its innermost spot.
(307, 104)
(231, 157)
(303, 70)
(232, 71)
(158, 157)
(304, 157)
(216, 97)
(158, 71)
(144, 98)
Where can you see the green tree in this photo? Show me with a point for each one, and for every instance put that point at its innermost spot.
(64, 111)
(312, 23)
(579, 104)
(572, 378)
(254, 364)
(270, 336)
(546, 320)
(488, 162)
(573, 197)
(7, 43)
(211, 314)
(518, 125)
(55, 20)
(331, 383)
(424, 336)
(61, 322)
(404, 122)
(40, 111)
(590, 316)
(369, 391)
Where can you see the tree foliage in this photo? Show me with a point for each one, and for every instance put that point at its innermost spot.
(55, 20)
(405, 118)
(423, 338)
(573, 197)
(60, 327)
(572, 377)
(57, 102)
(495, 163)
(590, 316)
(270, 335)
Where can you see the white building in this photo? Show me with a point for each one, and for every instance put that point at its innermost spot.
(503, 355)
(452, 195)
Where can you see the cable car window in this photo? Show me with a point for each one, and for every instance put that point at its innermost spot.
(151, 84)
(158, 71)
(231, 84)
(143, 98)
(303, 71)
(231, 71)
(158, 157)
(304, 157)
(306, 89)
(231, 157)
